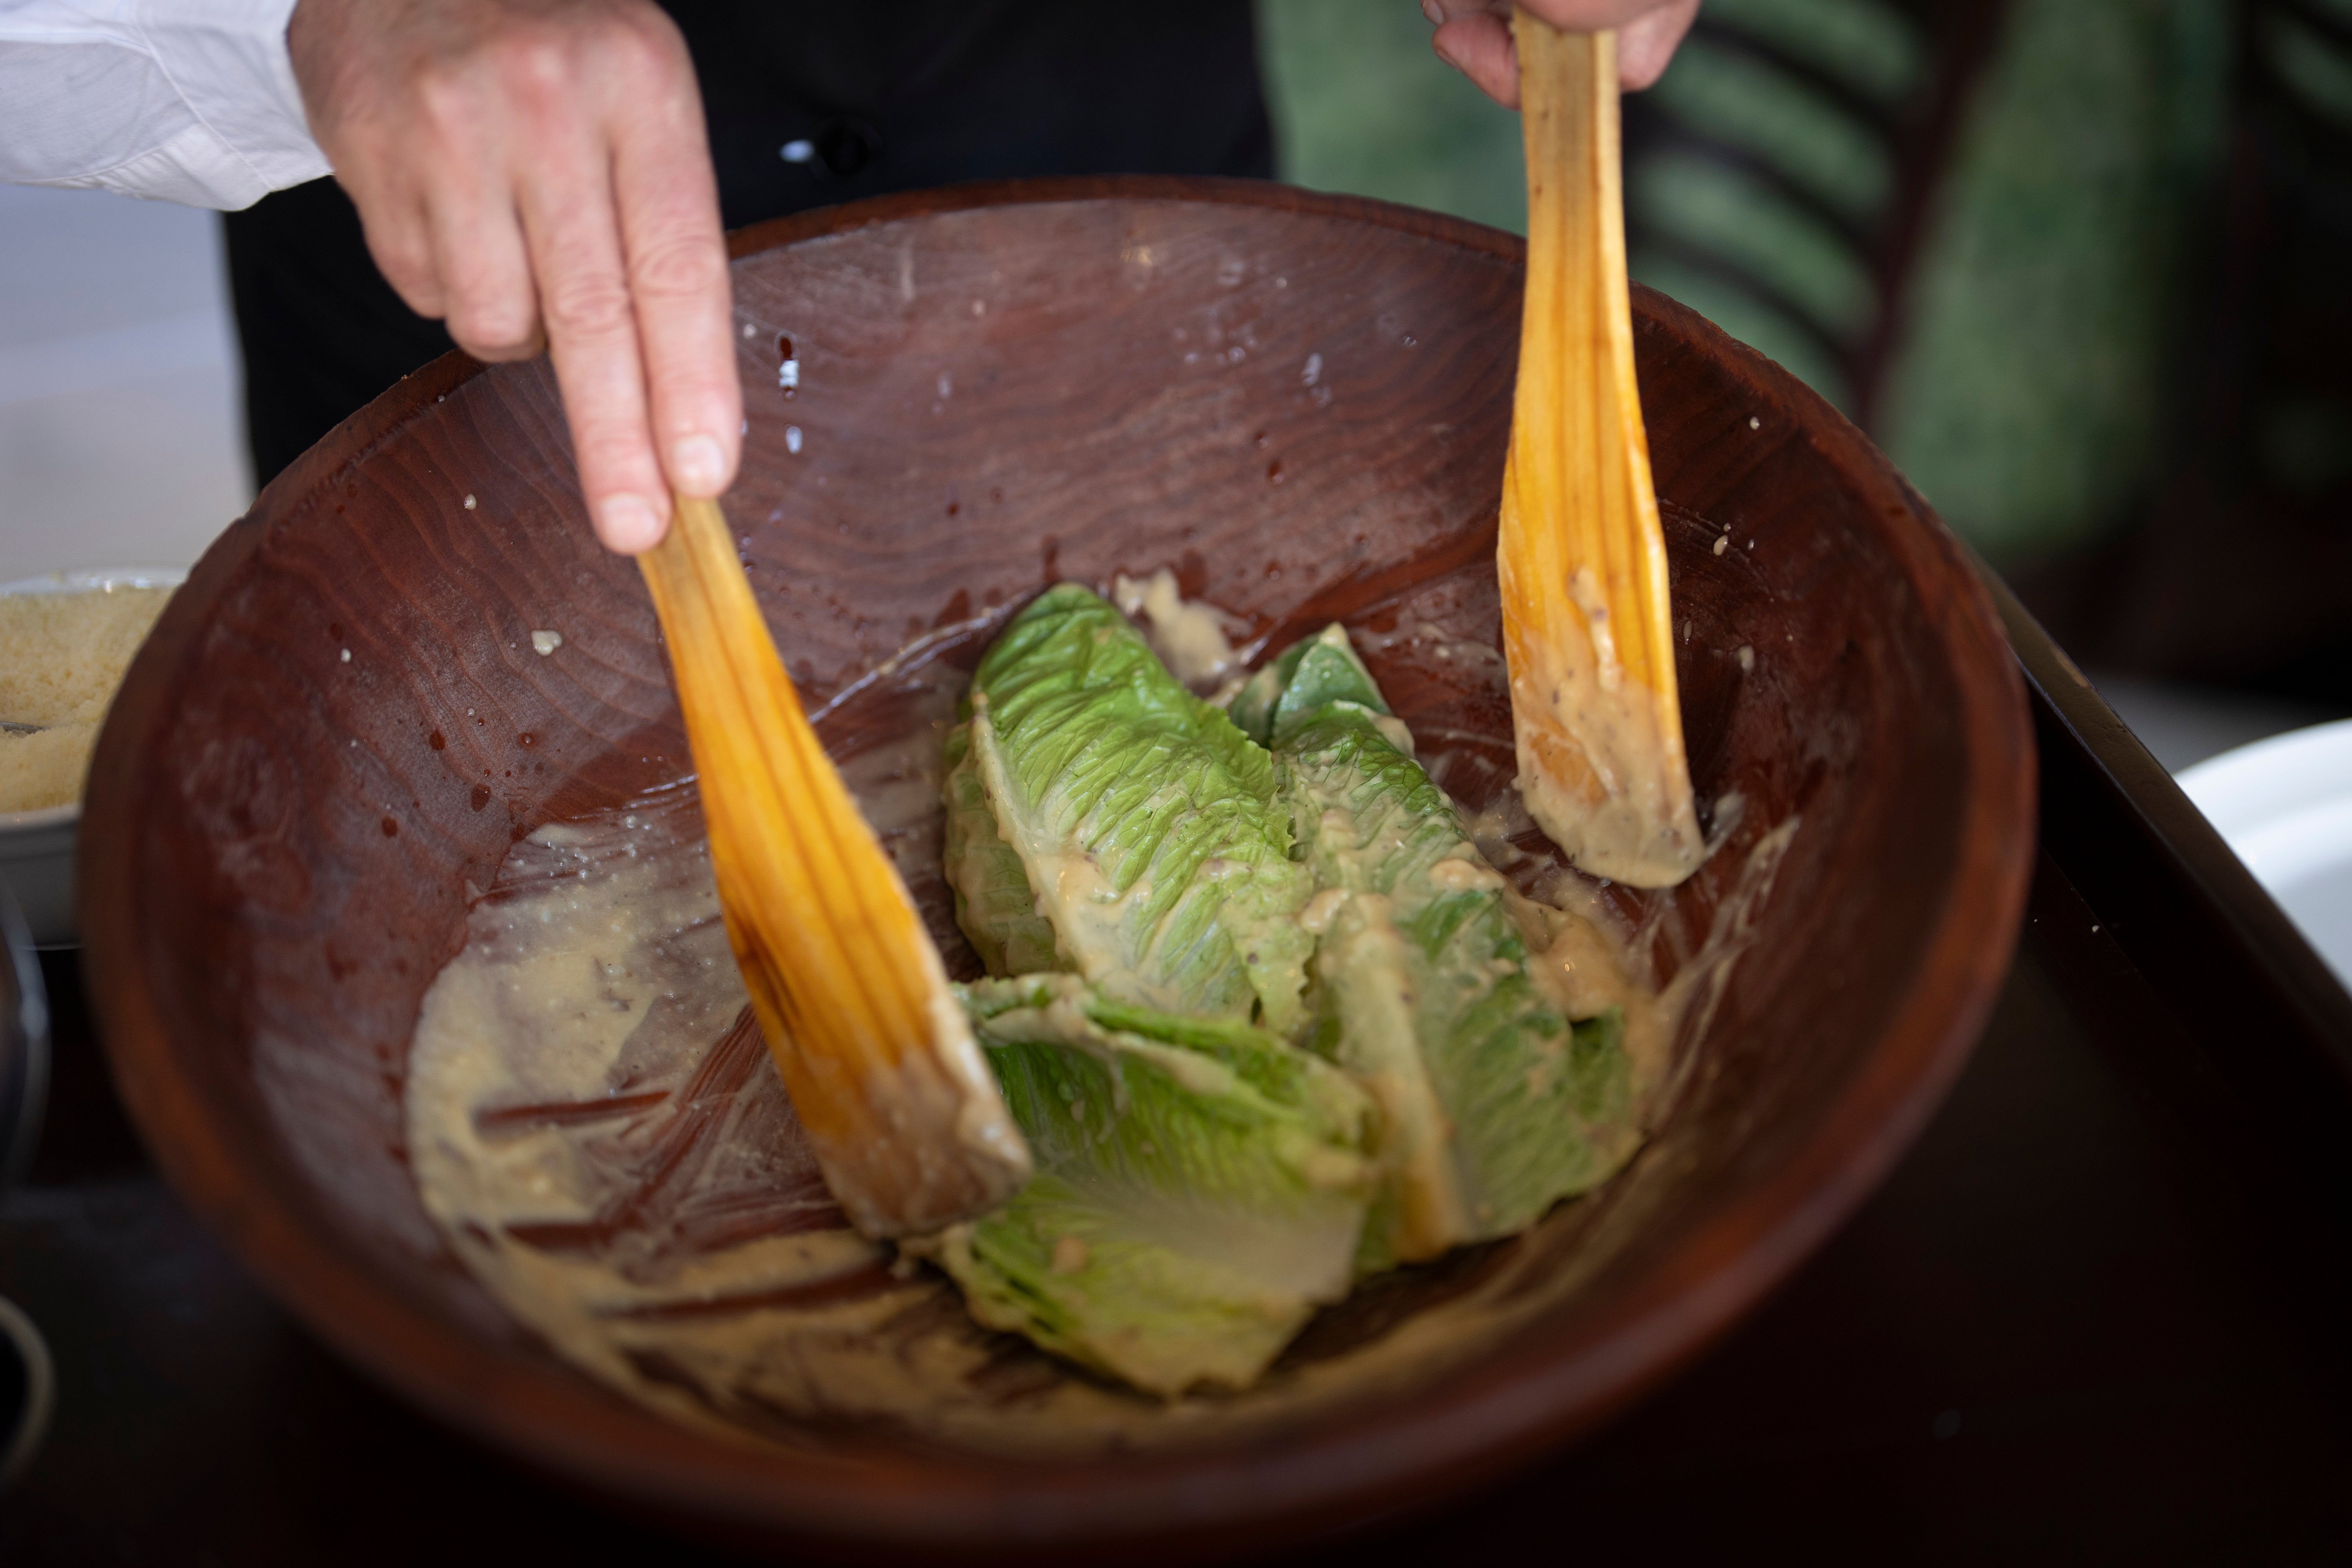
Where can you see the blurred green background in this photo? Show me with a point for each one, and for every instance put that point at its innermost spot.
(2024, 390)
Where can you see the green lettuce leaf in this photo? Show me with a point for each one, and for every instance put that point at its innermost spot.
(1147, 825)
(1310, 674)
(1201, 1186)
(1494, 1104)
(994, 902)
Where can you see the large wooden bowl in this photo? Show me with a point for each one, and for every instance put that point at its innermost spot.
(1301, 403)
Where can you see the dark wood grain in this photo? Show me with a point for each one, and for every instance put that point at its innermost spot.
(996, 393)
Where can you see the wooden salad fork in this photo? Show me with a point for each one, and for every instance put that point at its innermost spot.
(875, 1050)
(1586, 629)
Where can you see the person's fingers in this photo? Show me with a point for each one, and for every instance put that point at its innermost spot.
(485, 264)
(401, 240)
(1478, 44)
(1474, 37)
(1586, 16)
(1646, 44)
(677, 257)
(495, 150)
(575, 237)
(490, 303)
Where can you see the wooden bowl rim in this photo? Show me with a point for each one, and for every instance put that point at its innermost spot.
(1552, 1382)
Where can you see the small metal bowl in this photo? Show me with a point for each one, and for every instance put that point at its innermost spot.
(27, 1387)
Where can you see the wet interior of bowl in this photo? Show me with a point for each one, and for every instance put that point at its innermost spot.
(1300, 404)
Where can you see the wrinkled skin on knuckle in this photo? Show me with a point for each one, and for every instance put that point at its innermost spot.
(587, 303)
(540, 71)
(640, 50)
(680, 266)
(453, 101)
(565, 55)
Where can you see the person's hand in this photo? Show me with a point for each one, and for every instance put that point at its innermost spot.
(535, 172)
(1474, 37)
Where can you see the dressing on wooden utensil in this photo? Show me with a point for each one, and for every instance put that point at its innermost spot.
(1586, 629)
(877, 1054)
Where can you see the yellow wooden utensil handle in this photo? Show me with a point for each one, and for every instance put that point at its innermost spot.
(1588, 629)
(850, 993)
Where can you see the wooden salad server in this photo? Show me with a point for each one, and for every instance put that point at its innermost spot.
(1586, 629)
(876, 1052)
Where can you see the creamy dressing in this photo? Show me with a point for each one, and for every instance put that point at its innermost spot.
(1601, 757)
(1364, 958)
(588, 1108)
(1463, 875)
(1189, 637)
(597, 1130)
(1589, 753)
(595, 1126)
(1089, 917)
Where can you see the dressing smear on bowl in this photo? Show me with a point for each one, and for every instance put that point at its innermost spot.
(594, 1125)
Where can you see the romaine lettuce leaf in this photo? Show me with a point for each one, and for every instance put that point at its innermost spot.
(994, 901)
(1307, 676)
(1146, 824)
(1201, 1186)
(1494, 1104)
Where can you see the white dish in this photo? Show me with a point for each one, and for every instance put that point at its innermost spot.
(37, 847)
(2285, 807)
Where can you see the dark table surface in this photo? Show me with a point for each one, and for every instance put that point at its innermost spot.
(2100, 1311)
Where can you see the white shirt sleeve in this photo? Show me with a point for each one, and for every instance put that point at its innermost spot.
(178, 101)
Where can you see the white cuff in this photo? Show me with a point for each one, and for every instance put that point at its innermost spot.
(229, 61)
(181, 100)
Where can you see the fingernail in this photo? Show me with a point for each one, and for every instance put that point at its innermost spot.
(629, 524)
(1429, 8)
(696, 465)
(1447, 55)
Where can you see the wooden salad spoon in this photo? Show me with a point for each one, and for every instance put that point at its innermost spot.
(1587, 628)
(876, 1052)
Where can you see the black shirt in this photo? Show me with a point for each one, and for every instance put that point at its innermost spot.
(809, 102)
